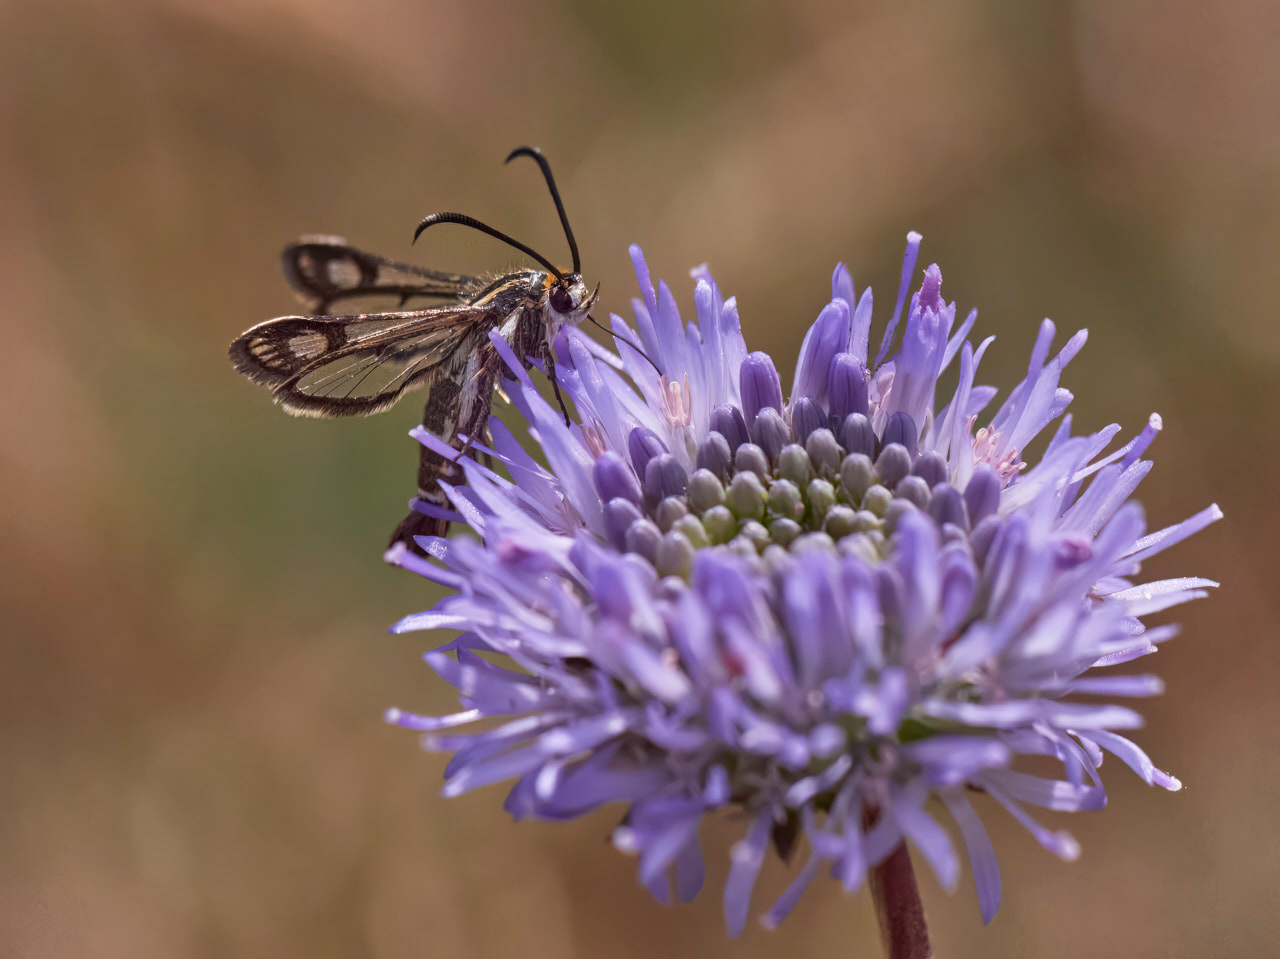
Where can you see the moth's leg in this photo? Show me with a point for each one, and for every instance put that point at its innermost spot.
(555, 385)
(466, 448)
(488, 439)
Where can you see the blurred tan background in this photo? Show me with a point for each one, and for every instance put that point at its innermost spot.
(194, 603)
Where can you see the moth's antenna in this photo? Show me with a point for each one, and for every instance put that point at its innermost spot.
(626, 340)
(464, 220)
(555, 195)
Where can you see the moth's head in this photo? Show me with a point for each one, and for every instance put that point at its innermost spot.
(568, 299)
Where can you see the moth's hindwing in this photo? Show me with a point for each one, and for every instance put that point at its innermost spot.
(325, 269)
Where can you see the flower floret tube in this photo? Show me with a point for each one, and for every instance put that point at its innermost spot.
(846, 612)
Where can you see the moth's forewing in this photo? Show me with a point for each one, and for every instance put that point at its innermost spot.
(325, 269)
(362, 364)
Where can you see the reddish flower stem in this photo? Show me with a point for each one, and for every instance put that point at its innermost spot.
(898, 907)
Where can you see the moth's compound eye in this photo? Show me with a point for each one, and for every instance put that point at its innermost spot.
(561, 299)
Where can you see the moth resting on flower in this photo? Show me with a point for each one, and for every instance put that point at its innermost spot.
(845, 614)
(358, 365)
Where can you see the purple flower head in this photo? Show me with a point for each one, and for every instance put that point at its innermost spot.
(822, 613)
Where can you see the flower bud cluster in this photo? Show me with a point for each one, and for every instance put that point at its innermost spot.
(787, 483)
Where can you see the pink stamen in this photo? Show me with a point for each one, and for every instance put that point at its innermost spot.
(677, 401)
(985, 443)
(593, 436)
